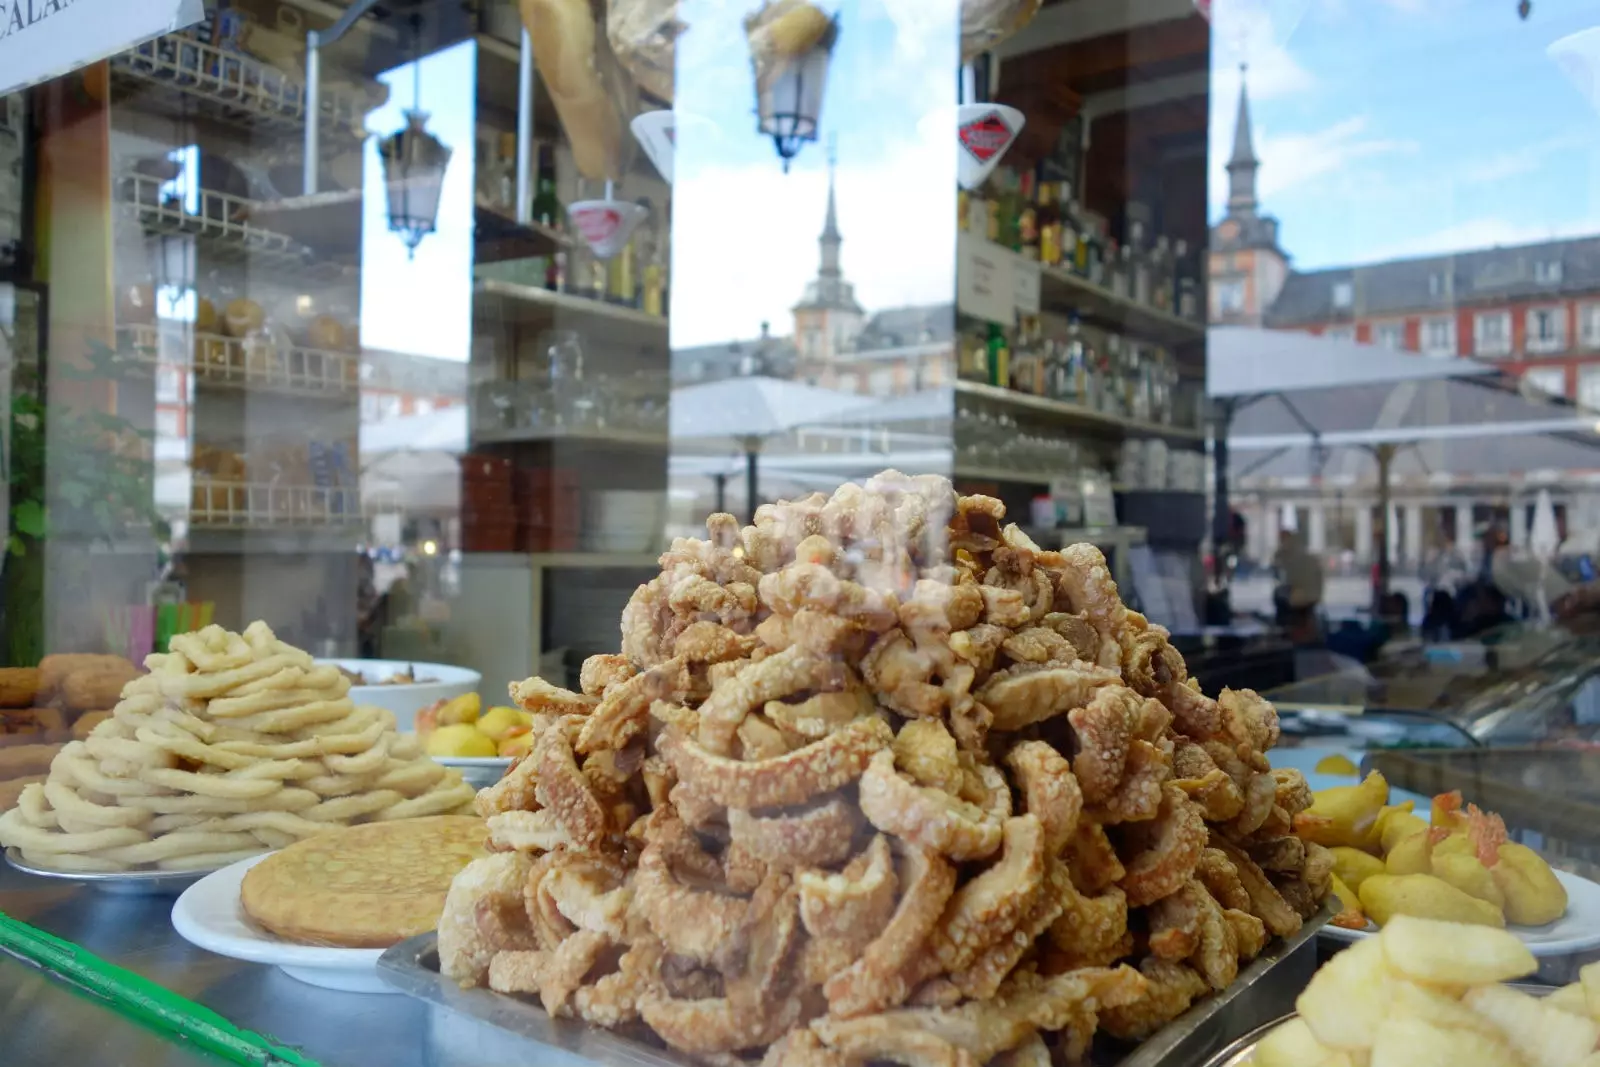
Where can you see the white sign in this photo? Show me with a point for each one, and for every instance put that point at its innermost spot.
(44, 39)
(985, 287)
(1025, 275)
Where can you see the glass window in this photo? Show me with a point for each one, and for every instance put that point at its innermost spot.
(1550, 380)
(1439, 336)
(1340, 333)
(1547, 329)
(1230, 296)
(1492, 330)
(1589, 387)
(1589, 325)
(1343, 294)
(1391, 335)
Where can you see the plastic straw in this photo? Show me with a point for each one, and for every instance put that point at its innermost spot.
(143, 1000)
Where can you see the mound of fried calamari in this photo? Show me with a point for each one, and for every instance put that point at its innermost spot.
(878, 779)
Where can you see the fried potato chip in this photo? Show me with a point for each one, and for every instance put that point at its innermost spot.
(1426, 950)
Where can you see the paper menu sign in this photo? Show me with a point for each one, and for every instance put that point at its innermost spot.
(44, 39)
(985, 280)
(1025, 285)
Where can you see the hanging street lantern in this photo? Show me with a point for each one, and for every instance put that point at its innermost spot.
(790, 54)
(414, 163)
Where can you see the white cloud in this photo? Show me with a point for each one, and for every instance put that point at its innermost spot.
(746, 238)
(1296, 159)
(1524, 160)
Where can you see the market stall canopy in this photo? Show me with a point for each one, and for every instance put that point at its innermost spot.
(444, 430)
(755, 406)
(1245, 362)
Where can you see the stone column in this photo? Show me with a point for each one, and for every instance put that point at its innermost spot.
(1466, 544)
(1363, 546)
(1394, 534)
(1317, 529)
(1519, 523)
(1415, 542)
(1271, 519)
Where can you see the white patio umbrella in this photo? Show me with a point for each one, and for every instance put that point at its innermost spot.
(750, 409)
(410, 464)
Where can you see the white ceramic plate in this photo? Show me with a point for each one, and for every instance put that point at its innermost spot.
(477, 771)
(128, 883)
(1576, 931)
(209, 915)
(406, 700)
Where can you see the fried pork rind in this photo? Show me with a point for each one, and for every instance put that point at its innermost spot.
(779, 824)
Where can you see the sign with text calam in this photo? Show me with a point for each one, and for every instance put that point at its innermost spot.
(44, 39)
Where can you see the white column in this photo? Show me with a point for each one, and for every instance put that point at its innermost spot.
(1271, 517)
(1394, 534)
(1519, 523)
(1464, 540)
(1317, 532)
(1414, 543)
(1363, 544)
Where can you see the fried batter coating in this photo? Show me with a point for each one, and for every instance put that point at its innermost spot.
(624, 711)
(601, 672)
(927, 752)
(794, 778)
(1164, 850)
(1266, 903)
(1021, 696)
(929, 817)
(818, 836)
(1170, 989)
(1049, 790)
(856, 902)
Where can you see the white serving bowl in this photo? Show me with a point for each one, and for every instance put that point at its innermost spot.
(404, 701)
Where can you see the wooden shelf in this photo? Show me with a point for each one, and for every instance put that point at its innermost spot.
(219, 504)
(531, 301)
(1076, 414)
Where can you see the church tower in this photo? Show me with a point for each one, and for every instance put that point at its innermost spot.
(827, 320)
(1247, 268)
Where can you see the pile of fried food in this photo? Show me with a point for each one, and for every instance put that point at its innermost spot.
(231, 745)
(1426, 993)
(876, 778)
(1457, 865)
(43, 707)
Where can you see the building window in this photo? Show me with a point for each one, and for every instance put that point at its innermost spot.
(1492, 333)
(1547, 272)
(1344, 294)
(1340, 333)
(1589, 387)
(1551, 380)
(1547, 329)
(880, 381)
(1230, 297)
(1439, 337)
(1589, 325)
(1435, 285)
(1391, 335)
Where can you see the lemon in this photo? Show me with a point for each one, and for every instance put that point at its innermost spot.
(497, 722)
(459, 740)
(461, 709)
(1338, 764)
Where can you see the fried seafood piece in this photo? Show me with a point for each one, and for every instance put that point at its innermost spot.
(482, 915)
(602, 671)
(1221, 879)
(1138, 795)
(1092, 859)
(624, 712)
(855, 903)
(1163, 852)
(819, 835)
(1023, 695)
(1169, 990)
(1293, 794)
(1266, 903)
(793, 778)
(982, 1029)
(881, 978)
(783, 674)
(1092, 931)
(1249, 932)
(1049, 789)
(1248, 718)
(801, 586)
(1004, 607)
(537, 695)
(561, 787)
(927, 752)
(700, 924)
(1084, 584)
(931, 817)
(1197, 774)
(995, 902)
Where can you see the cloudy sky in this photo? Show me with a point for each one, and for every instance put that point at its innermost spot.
(1389, 128)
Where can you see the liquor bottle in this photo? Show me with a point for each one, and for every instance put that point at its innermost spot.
(1119, 268)
(1049, 225)
(998, 356)
(1139, 264)
(1075, 386)
(1066, 211)
(1027, 238)
(620, 286)
(505, 166)
(1080, 252)
(1161, 276)
(1184, 283)
(963, 210)
(546, 208)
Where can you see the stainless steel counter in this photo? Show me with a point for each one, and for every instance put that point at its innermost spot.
(41, 1022)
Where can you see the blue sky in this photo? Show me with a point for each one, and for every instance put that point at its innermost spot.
(1389, 128)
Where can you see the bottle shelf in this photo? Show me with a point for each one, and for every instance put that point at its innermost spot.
(218, 504)
(1077, 414)
(531, 301)
(254, 364)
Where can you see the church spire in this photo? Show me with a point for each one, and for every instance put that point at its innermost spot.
(1242, 164)
(831, 239)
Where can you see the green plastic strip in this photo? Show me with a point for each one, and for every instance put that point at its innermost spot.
(143, 1000)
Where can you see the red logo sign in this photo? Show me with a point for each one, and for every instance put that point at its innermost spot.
(986, 136)
(597, 224)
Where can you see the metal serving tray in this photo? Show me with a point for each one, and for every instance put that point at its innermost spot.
(1264, 992)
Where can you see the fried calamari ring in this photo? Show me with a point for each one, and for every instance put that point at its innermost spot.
(1166, 849)
(856, 902)
(1023, 695)
(928, 817)
(1049, 790)
(818, 836)
(879, 979)
(795, 778)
